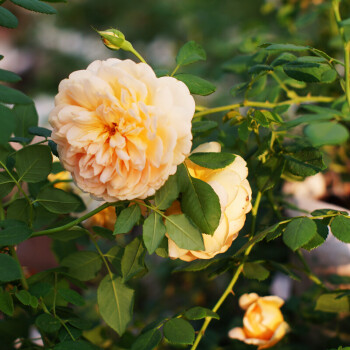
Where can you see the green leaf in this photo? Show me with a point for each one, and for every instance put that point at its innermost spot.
(167, 194)
(114, 256)
(340, 228)
(26, 116)
(184, 233)
(179, 331)
(19, 210)
(6, 302)
(238, 64)
(196, 85)
(57, 201)
(268, 174)
(75, 345)
(212, 160)
(256, 271)
(6, 75)
(71, 296)
(7, 19)
(14, 232)
(115, 301)
(260, 68)
(307, 118)
(331, 303)
(194, 266)
(39, 131)
(304, 162)
(299, 232)
(265, 118)
(36, 6)
(9, 269)
(243, 131)
(148, 340)
(68, 235)
(189, 53)
(127, 219)
(319, 238)
(153, 232)
(284, 269)
(201, 204)
(326, 133)
(33, 163)
(6, 184)
(133, 259)
(198, 312)
(12, 96)
(285, 47)
(24, 297)
(203, 125)
(238, 89)
(283, 58)
(83, 266)
(47, 323)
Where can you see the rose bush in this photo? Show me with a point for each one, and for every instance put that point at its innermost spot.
(120, 130)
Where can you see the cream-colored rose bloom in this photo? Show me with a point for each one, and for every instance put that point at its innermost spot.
(120, 130)
(233, 189)
(263, 322)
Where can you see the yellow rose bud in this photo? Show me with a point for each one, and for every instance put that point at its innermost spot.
(115, 40)
(263, 322)
(233, 189)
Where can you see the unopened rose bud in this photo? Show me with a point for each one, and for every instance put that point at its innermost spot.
(115, 40)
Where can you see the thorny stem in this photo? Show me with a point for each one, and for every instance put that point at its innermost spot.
(235, 277)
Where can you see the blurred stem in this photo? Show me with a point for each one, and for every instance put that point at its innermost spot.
(290, 93)
(73, 223)
(175, 70)
(235, 277)
(296, 100)
(23, 279)
(138, 55)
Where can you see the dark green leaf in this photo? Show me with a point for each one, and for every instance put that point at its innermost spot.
(71, 296)
(198, 313)
(283, 58)
(319, 238)
(36, 6)
(37, 130)
(19, 210)
(184, 233)
(189, 53)
(196, 265)
(269, 173)
(83, 266)
(127, 219)
(26, 116)
(148, 340)
(7, 19)
(114, 256)
(9, 269)
(259, 68)
(238, 89)
(167, 194)
(340, 227)
(68, 235)
(307, 118)
(179, 331)
(299, 232)
(196, 85)
(153, 232)
(14, 232)
(6, 75)
(212, 160)
(203, 125)
(12, 96)
(255, 271)
(33, 163)
(326, 133)
(133, 259)
(57, 201)
(115, 301)
(48, 323)
(24, 297)
(330, 303)
(6, 302)
(285, 47)
(6, 184)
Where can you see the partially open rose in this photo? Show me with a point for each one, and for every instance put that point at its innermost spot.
(120, 130)
(233, 189)
(263, 322)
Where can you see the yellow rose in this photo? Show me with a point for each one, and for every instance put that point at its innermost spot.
(263, 323)
(120, 130)
(233, 190)
(61, 176)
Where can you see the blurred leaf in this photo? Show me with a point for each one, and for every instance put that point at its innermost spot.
(196, 265)
(330, 303)
(196, 85)
(75, 345)
(148, 340)
(57, 201)
(24, 297)
(238, 64)
(71, 296)
(243, 131)
(9, 269)
(6, 302)
(12, 96)
(36, 6)
(178, 331)
(307, 118)
(33, 163)
(183, 232)
(259, 68)
(7, 19)
(6, 184)
(167, 194)
(13, 232)
(6, 75)
(212, 160)
(198, 313)
(283, 58)
(133, 259)
(127, 219)
(326, 133)
(47, 323)
(26, 116)
(253, 270)
(238, 89)
(284, 47)
(84, 266)
(286, 270)
(299, 232)
(340, 227)
(153, 232)
(70, 234)
(37, 130)
(189, 53)
(203, 125)
(115, 301)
